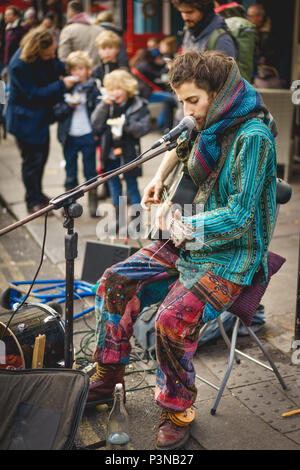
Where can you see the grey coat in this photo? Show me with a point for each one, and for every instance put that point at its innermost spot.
(137, 124)
(224, 43)
(79, 35)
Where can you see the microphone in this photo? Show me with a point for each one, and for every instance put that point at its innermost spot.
(187, 123)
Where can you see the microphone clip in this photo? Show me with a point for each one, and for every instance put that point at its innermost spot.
(168, 143)
(171, 145)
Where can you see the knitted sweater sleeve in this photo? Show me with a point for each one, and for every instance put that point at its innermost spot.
(253, 164)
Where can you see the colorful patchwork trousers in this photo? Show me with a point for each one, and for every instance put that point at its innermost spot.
(146, 278)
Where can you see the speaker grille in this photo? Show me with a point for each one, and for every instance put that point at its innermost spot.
(100, 256)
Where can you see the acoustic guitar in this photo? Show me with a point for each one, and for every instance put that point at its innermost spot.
(180, 190)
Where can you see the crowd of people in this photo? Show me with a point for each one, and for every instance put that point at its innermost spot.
(43, 87)
(59, 76)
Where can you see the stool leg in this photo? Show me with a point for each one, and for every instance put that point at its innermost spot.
(231, 358)
(226, 339)
(258, 342)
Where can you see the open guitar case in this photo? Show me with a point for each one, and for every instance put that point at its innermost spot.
(41, 409)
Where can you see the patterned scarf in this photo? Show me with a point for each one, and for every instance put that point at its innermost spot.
(236, 103)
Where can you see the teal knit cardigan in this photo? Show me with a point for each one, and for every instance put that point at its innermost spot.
(238, 218)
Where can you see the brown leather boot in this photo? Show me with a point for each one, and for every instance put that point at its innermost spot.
(102, 383)
(170, 436)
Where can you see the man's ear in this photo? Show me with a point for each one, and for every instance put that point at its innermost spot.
(213, 95)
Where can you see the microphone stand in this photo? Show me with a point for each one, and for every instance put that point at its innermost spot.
(72, 211)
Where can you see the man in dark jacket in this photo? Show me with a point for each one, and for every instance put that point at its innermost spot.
(14, 32)
(267, 44)
(200, 21)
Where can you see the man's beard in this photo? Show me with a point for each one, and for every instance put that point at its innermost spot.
(200, 124)
(190, 24)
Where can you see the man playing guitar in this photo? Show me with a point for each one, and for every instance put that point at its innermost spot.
(230, 158)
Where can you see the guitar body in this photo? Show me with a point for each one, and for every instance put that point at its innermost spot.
(185, 191)
(182, 192)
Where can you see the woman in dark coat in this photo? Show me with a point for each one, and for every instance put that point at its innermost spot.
(35, 87)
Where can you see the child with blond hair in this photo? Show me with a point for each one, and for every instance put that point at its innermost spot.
(122, 117)
(108, 44)
(75, 131)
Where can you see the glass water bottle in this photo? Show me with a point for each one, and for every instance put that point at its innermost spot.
(117, 436)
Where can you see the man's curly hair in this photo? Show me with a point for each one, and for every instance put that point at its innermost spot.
(205, 6)
(208, 70)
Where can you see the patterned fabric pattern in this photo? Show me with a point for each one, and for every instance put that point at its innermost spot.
(216, 294)
(238, 217)
(235, 103)
(147, 277)
(233, 160)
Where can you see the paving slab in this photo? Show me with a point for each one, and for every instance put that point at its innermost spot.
(266, 401)
(235, 427)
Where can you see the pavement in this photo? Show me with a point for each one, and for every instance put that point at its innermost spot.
(249, 416)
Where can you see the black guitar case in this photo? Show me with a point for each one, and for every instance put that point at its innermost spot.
(41, 409)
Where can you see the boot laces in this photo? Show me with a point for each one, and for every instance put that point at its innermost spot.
(164, 417)
(99, 374)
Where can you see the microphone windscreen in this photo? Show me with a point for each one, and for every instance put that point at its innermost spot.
(190, 122)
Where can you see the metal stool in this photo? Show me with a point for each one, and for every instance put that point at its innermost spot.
(233, 355)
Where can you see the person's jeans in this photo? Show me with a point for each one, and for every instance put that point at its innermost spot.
(34, 158)
(74, 145)
(115, 186)
(166, 118)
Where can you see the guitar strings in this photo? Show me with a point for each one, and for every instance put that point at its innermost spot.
(155, 253)
(165, 195)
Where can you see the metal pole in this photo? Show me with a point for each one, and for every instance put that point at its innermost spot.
(297, 133)
(87, 5)
(297, 321)
(71, 243)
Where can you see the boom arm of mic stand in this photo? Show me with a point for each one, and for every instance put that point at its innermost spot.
(130, 166)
